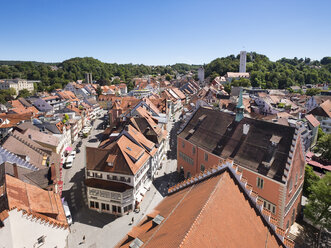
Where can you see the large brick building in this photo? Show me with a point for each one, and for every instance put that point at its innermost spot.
(270, 156)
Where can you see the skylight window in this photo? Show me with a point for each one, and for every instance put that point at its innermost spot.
(129, 148)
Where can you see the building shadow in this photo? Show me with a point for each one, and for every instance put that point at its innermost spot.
(165, 181)
(172, 152)
(101, 136)
(308, 237)
(77, 201)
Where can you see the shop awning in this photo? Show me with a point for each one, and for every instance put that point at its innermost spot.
(69, 149)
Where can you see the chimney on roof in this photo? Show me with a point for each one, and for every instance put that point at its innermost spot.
(246, 129)
(29, 136)
(271, 151)
(126, 128)
(15, 170)
(53, 173)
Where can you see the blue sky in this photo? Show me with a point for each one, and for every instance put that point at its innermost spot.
(156, 32)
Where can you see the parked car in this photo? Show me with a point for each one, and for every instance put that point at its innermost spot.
(73, 153)
(67, 212)
(69, 161)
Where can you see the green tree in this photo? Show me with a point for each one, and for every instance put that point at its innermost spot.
(214, 75)
(168, 77)
(312, 91)
(320, 133)
(24, 93)
(319, 202)
(99, 90)
(324, 146)
(310, 179)
(326, 60)
(116, 81)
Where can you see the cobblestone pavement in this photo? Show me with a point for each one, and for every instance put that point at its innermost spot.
(105, 230)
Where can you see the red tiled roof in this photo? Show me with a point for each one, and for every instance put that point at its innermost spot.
(151, 105)
(36, 201)
(312, 120)
(326, 106)
(212, 213)
(179, 93)
(13, 119)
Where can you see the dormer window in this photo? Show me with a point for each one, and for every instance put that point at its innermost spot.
(110, 164)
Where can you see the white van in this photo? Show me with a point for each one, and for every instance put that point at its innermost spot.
(67, 212)
(69, 161)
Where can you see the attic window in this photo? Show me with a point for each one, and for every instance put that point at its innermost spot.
(136, 243)
(129, 148)
(110, 164)
(191, 131)
(201, 118)
(275, 139)
(41, 240)
(158, 219)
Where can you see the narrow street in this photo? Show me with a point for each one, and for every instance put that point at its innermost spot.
(105, 230)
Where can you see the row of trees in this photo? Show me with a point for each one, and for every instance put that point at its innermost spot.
(264, 73)
(75, 69)
(277, 75)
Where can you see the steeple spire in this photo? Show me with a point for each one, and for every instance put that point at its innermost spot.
(240, 107)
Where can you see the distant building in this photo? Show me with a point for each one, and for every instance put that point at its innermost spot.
(17, 84)
(242, 67)
(323, 114)
(229, 76)
(88, 78)
(201, 74)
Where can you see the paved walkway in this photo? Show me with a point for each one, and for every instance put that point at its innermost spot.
(104, 230)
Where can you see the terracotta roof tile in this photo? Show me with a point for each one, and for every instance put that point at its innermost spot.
(34, 200)
(212, 213)
(326, 106)
(312, 120)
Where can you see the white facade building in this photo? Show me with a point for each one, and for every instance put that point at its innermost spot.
(23, 230)
(17, 84)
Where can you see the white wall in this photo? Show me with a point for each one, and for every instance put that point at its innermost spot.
(20, 231)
